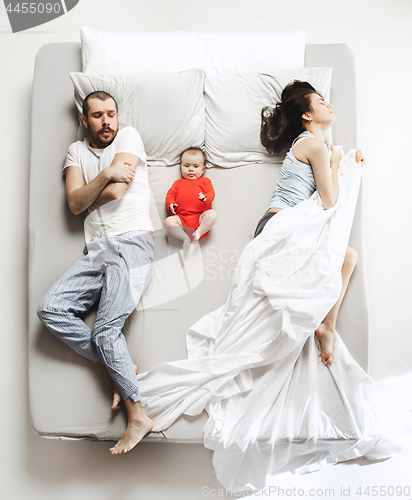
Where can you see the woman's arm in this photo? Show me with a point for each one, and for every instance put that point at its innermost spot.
(324, 166)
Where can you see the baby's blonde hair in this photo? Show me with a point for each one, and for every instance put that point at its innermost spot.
(193, 150)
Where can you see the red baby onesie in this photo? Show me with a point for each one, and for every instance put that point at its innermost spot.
(185, 192)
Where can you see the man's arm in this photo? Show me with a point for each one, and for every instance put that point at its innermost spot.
(114, 190)
(81, 195)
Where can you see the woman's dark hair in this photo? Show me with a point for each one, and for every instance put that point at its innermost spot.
(283, 123)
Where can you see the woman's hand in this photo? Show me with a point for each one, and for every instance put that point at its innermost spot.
(359, 157)
(172, 208)
(335, 156)
(202, 197)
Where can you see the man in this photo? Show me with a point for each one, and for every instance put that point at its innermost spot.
(106, 174)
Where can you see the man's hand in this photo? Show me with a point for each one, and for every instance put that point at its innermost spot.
(103, 188)
(121, 171)
(172, 208)
(123, 168)
(202, 197)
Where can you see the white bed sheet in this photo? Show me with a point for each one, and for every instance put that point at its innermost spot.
(254, 363)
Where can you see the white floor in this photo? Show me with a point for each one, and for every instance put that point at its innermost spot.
(66, 470)
(391, 478)
(379, 32)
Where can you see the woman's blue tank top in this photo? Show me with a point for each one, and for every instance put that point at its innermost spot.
(296, 180)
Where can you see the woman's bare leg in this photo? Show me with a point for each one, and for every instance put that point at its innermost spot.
(175, 228)
(326, 330)
(206, 221)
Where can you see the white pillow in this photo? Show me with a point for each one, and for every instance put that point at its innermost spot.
(167, 110)
(166, 52)
(233, 106)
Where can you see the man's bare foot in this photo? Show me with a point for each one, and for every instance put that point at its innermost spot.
(138, 425)
(326, 336)
(117, 399)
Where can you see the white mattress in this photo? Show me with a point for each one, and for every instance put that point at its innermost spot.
(69, 396)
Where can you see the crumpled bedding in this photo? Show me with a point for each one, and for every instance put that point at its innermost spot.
(254, 363)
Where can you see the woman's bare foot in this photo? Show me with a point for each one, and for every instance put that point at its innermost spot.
(196, 235)
(117, 399)
(138, 425)
(326, 336)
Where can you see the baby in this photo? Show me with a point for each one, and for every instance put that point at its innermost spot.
(190, 199)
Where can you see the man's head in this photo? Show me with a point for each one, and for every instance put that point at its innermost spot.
(101, 118)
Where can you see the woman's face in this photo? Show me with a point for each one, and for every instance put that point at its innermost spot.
(321, 112)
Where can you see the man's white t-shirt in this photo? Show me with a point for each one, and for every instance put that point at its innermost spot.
(132, 211)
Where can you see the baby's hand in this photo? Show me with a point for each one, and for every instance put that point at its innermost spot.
(359, 157)
(172, 208)
(202, 197)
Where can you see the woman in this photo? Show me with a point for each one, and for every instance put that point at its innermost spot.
(301, 120)
(254, 362)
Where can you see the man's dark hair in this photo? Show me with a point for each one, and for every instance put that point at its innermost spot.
(99, 94)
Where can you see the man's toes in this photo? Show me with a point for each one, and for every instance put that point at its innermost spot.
(117, 401)
(118, 449)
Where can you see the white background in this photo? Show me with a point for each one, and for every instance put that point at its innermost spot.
(380, 34)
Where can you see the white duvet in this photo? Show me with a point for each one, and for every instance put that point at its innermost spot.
(254, 363)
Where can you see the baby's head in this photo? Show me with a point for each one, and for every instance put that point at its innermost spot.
(192, 163)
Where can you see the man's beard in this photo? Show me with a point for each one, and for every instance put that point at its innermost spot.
(101, 142)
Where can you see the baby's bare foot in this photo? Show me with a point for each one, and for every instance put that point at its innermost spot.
(186, 241)
(117, 399)
(138, 425)
(326, 336)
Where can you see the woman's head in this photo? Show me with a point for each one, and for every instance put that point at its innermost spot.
(320, 114)
(283, 123)
(192, 163)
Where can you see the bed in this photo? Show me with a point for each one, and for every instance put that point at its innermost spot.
(69, 396)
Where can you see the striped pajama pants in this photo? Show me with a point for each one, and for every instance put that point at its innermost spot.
(115, 271)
